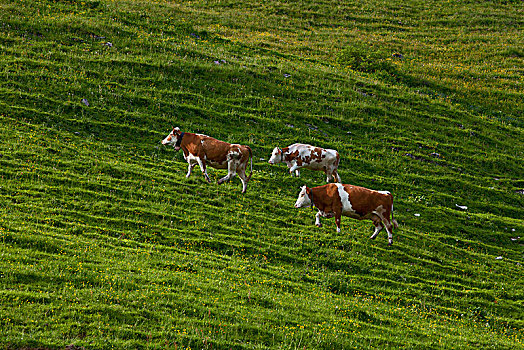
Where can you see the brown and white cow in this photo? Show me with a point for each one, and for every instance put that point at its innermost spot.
(204, 150)
(335, 200)
(299, 155)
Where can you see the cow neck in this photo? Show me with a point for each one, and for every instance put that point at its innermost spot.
(311, 199)
(281, 155)
(179, 141)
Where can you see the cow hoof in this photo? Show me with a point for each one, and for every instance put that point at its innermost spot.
(319, 225)
(390, 244)
(372, 237)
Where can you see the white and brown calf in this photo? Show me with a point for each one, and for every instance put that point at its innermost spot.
(335, 200)
(299, 156)
(204, 150)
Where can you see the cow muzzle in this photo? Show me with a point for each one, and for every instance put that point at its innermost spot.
(177, 148)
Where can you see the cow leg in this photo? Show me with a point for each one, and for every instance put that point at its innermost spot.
(317, 219)
(294, 169)
(202, 165)
(337, 222)
(329, 172)
(243, 178)
(231, 172)
(297, 173)
(337, 177)
(190, 167)
(389, 228)
(378, 226)
(385, 220)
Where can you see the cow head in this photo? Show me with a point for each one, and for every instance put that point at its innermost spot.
(304, 199)
(276, 156)
(173, 139)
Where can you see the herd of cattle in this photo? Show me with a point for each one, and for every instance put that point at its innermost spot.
(331, 200)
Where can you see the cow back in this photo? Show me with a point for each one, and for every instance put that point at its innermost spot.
(215, 150)
(205, 147)
(364, 201)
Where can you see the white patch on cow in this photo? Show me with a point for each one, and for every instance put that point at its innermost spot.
(384, 192)
(303, 199)
(190, 158)
(304, 152)
(344, 198)
(331, 152)
(326, 214)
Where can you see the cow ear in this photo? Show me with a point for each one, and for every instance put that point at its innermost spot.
(176, 130)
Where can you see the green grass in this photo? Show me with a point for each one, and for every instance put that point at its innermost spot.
(105, 244)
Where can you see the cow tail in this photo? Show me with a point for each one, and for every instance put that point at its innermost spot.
(251, 161)
(393, 221)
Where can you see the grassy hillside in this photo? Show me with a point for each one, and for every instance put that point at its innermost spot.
(105, 244)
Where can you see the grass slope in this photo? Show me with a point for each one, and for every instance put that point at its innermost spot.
(106, 244)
